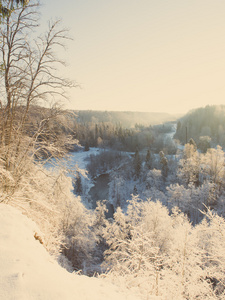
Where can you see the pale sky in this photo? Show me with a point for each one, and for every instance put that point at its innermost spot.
(143, 55)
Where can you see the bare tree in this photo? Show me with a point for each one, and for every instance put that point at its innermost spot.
(28, 77)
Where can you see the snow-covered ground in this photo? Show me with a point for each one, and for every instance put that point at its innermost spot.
(73, 162)
(74, 159)
(28, 272)
(80, 158)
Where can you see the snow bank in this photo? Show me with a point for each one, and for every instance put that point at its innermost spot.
(28, 272)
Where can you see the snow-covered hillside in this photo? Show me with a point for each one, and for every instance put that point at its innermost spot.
(28, 272)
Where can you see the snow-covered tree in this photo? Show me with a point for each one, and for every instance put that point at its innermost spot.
(189, 165)
(154, 179)
(98, 227)
(211, 241)
(117, 190)
(185, 270)
(204, 143)
(138, 245)
(214, 166)
(164, 164)
(78, 184)
(148, 160)
(116, 235)
(162, 254)
(192, 142)
(137, 164)
(179, 196)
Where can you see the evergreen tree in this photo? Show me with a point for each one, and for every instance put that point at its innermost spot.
(78, 185)
(204, 143)
(96, 132)
(135, 191)
(86, 147)
(137, 164)
(98, 227)
(164, 164)
(148, 160)
(192, 142)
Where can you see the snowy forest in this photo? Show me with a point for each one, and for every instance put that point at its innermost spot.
(141, 206)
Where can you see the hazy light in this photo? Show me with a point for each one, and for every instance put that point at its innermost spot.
(144, 55)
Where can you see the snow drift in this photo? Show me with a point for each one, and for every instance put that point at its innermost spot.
(29, 272)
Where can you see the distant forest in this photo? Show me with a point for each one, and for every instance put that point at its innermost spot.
(126, 119)
(127, 131)
(124, 131)
(99, 129)
(206, 126)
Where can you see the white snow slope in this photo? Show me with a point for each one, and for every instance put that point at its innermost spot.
(28, 272)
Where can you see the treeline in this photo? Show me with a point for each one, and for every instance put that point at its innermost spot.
(127, 119)
(108, 135)
(63, 127)
(116, 137)
(205, 125)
